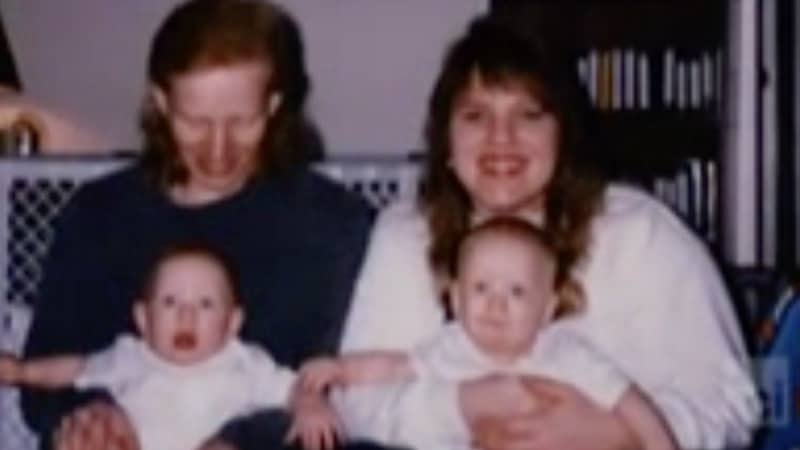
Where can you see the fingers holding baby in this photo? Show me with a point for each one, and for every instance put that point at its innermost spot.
(320, 374)
(315, 424)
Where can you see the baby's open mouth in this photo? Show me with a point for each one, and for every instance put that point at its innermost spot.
(184, 340)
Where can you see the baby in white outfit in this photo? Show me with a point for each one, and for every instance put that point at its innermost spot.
(507, 288)
(188, 374)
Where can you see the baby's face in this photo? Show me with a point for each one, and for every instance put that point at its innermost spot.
(191, 313)
(503, 295)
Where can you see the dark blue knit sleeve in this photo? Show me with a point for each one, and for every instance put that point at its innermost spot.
(351, 246)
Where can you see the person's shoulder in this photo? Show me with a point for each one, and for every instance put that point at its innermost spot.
(633, 215)
(250, 357)
(98, 202)
(402, 217)
(325, 196)
(112, 188)
(126, 350)
(625, 202)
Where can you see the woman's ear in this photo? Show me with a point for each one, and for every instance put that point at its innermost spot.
(274, 103)
(235, 321)
(159, 99)
(140, 315)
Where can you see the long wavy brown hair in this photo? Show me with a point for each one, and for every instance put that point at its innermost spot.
(212, 33)
(501, 55)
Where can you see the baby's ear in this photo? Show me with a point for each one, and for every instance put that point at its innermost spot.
(454, 298)
(235, 321)
(552, 307)
(140, 315)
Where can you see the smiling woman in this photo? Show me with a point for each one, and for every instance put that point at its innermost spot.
(504, 136)
(504, 145)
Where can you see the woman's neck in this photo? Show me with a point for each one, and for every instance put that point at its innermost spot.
(534, 216)
(192, 196)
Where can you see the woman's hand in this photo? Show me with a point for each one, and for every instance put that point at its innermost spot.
(567, 421)
(495, 396)
(315, 424)
(99, 425)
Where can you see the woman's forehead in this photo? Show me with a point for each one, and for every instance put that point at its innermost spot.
(503, 81)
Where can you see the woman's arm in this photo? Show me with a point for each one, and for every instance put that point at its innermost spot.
(645, 422)
(704, 390)
(666, 319)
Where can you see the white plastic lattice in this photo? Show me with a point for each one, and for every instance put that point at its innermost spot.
(34, 203)
(35, 190)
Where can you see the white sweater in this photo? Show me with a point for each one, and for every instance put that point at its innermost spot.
(656, 305)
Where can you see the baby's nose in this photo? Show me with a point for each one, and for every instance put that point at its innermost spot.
(187, 314)
(498, 302)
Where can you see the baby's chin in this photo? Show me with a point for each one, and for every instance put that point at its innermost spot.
(503, 352)
(182, 358)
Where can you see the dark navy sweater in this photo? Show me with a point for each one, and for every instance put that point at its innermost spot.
(297, 241)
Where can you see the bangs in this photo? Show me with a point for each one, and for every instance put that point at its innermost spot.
(507, 79)
(500, 58)
(225, 48)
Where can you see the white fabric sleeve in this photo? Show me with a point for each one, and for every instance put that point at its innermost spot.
(270, 384)
(679, 339)
(420, 414)
(571, 359)
(394, 308)
(423, 357)
(110, 367)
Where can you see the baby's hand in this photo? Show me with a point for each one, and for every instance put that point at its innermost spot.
(315, 425)
(10, 369)
(320, 373)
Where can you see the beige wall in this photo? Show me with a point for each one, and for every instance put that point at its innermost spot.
(372, 62)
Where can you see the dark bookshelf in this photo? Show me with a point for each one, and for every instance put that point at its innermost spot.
(653, 72)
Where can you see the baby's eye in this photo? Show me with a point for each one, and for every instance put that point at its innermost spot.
(168, 301)
(517, 291)
(481, 287)
(206, 303)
